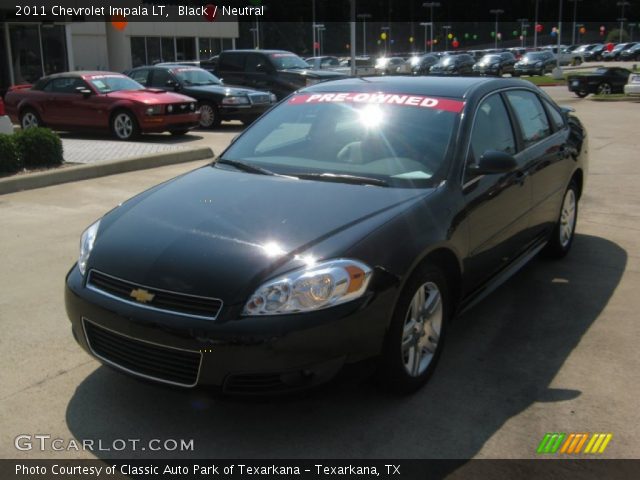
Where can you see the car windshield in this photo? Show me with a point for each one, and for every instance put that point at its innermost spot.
(448, 60)
(114, 83)
(196, 76)
(535, 56)
(400, 139)
(284, 61)
(490, 58)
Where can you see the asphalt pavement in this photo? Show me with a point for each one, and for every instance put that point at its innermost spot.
(553, 350)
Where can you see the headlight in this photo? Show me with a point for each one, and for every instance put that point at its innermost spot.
(157, 110)
(192, 107)
(235, 101)
(274, 99)
(311, 288)
(87, 240)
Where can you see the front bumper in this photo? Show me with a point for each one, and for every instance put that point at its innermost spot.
(164, 123)
(527, 70)
(242, 112)
(251, 355)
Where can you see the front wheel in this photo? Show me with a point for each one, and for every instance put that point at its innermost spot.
(564, 231)
(582, 93)
(124, 125)
(209, 115)
(604, 89)
(416, 332)
(179, 133)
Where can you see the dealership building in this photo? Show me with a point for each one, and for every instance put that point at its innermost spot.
(30, 50)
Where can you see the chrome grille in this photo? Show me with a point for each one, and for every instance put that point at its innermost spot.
(163, 300)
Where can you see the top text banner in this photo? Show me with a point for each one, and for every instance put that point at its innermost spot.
(302, 11)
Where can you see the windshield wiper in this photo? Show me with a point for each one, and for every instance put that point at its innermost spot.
(341, 178)
(245, 167)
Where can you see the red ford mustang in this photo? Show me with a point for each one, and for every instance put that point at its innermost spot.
(100, 101)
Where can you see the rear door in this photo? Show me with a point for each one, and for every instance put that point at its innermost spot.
(543, 133)
(231, 68)
(497, 205)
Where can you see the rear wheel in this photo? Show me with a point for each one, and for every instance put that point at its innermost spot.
(563, 233)
(582, 93)
(30, 119)
(416, 332)
(604, 89)
(124, 125)
(499, 72)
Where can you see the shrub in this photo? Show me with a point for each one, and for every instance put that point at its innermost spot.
(9, 159)
(39, 147)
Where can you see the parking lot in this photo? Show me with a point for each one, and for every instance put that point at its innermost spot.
(555, 349)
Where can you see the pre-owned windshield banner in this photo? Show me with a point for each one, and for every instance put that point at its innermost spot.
(377, 98)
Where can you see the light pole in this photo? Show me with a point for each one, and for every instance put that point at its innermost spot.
(321, 28)
(446, 29)
(535, 27)
(496, 12)
(363, 17)
(557, 73)
(622, 4)
(313, 26)
(573, 32)
(631, 27)
(425, 25)
(579, 26)
(523, 25)
(431, 5)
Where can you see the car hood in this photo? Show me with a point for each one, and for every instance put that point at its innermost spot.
(150, 96)
(323, 74)
(221, 233)
(219, 90)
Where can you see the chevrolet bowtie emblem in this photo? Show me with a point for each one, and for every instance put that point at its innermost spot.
(141, 295)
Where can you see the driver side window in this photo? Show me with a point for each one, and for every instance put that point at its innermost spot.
(491, 129)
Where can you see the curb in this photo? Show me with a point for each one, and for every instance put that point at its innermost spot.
(102, 169)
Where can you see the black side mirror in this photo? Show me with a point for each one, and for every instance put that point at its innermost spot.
(493, 162)
(173, 85)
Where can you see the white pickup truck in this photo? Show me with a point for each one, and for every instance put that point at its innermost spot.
(568, 56)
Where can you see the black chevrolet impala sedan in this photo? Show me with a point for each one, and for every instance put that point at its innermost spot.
(351, 222)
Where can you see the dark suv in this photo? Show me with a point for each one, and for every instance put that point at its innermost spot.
(454, 64)
(216, 101)
(277, 71)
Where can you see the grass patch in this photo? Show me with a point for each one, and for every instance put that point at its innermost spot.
(615, 97)
(542, 81)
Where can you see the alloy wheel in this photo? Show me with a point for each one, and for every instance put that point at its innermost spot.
(123, 126)
(30, 120)
(207, 116)
(604, 89)
(422, 328)
(567, 218)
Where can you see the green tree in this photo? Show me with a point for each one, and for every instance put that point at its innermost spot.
(614, 36)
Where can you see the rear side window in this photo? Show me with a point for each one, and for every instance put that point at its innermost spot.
(140, 76)
(556, 117)
(231, 62)
(492, 129)
(65, 85)
(531, 116)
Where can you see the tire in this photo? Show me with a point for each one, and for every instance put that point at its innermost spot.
(209, 115)
(577, 61)
(563, 233)
(29, 118)
(582, 93)
(124, 125)
(400, 370)
(500, 72)
(179, 133)
(604, 89)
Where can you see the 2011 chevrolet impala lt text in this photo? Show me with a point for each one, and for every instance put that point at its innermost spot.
(351, 222)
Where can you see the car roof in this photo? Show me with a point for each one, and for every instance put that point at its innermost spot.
(454, 87)
(80, 74)
(257, 51)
